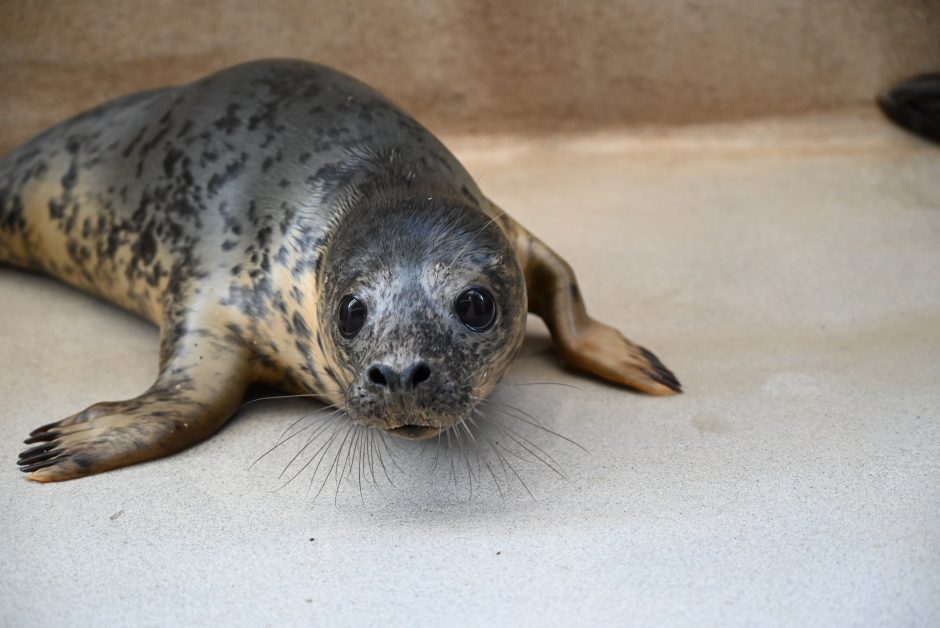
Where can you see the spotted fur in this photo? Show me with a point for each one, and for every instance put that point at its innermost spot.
(234, 213)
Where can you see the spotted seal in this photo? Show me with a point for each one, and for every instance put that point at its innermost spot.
(283, 223)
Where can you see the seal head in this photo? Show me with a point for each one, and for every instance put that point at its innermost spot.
(425, 303)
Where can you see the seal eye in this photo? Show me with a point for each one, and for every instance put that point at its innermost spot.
(476, 309)
(352, 316)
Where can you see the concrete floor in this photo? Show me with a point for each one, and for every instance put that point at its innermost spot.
(789, 272)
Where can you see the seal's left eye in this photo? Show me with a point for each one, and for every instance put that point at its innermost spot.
(476, 309)
(352, 315)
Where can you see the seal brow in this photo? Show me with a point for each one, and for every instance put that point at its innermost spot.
(464, 248)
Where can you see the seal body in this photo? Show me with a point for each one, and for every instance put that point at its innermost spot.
(284, 223)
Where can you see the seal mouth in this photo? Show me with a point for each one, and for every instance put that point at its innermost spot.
(415, 432)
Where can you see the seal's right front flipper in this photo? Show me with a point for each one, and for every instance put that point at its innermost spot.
(581, 341)
(915, 105)
(201, 384)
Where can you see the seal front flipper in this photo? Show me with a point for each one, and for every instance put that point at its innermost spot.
(202, 380)
(582, 342)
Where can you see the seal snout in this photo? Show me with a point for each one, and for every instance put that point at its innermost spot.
(385, 378)
(400, 397)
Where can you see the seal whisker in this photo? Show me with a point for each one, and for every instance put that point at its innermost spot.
(535, 459)
(332, 465)
(451, 454)
(521, 441)
(332, 405)
(391, 456)
(346, 467)
(508, 464)
(466, 461)
(318, 455)
(515, 454)
(519, 435)
(479, 413)
(367, 451)
(251, 401)
(358, 454)
(562, 384)
(382, 460)
(363, 462)
(482, 459)
(511, 407)
(533, 422)
(440, 449)
(470, 477)
(359, 443)
(373, 454)
(462, 456)
(288, 428)
(337, 467)
(427, 443)
(348, 461)
(463, 423)
(282, 440)
(311, 439)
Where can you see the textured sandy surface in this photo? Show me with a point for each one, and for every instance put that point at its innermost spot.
(788, 272)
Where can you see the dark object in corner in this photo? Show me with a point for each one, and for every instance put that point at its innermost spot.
(915, 105)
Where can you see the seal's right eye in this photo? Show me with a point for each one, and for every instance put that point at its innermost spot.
(476, 309)
(352, 316)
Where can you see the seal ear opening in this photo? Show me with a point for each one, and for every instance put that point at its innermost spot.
(915, 105)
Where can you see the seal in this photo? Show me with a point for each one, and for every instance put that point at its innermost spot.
(283, 223)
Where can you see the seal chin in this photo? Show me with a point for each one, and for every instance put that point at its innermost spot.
(415, 432)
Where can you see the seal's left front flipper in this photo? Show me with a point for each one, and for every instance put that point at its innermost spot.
(582, 342)
(198, 389)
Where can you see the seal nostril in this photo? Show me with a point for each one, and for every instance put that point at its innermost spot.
(376, 377)
(420, 373)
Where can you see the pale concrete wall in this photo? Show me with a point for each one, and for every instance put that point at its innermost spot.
(526, 65)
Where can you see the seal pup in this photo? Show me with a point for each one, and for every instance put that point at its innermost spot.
(283, 223)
